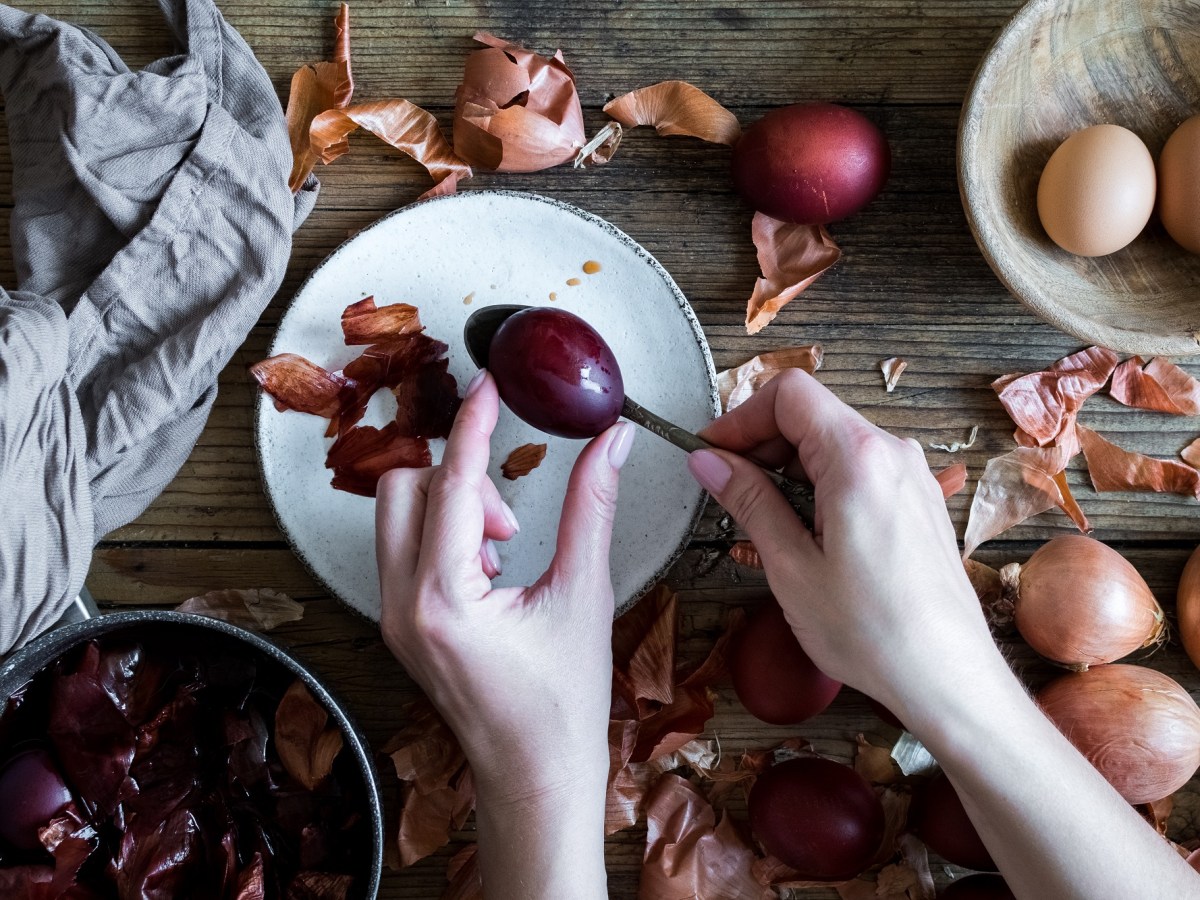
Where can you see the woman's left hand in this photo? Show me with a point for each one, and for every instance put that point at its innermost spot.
(522, 675)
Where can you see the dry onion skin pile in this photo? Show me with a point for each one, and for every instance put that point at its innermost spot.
(1138, 727)
(399, 357)
(1079, 603)
(1045, 407)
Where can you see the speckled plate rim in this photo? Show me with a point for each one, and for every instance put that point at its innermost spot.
(263, 406)
(1125, 340)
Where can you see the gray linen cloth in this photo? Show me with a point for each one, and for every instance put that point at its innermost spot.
(152, 224)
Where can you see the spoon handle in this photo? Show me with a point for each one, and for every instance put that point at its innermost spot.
(798, 493)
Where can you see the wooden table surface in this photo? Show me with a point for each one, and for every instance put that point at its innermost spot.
(911, 283)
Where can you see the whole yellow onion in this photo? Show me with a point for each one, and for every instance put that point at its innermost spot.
(1079, 603)
(1138, 727)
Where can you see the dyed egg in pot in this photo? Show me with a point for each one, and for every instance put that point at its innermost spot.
(1097, 191)
(1179, 185)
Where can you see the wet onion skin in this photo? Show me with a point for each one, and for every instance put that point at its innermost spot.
(772, 675)
(1138, 727)
(32, 792)
(817, 816)
(978, 887)
(940, 820)
(555, 372)
(1079, 603)
(811, 163)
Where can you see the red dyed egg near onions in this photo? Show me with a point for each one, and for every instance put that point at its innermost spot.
(1138, 727)
(817, 816)
(772, 675)
(939, 819)
(1079, 603)
(811, 164)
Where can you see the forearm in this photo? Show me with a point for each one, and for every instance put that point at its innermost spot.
(1052, 823)
(546, 845)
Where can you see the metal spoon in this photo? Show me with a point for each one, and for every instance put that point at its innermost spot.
(481, 327)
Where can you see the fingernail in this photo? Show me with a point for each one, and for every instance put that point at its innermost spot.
(510, 517)
(493, 555)
(475, 382)
(710, 470)
(622, 443)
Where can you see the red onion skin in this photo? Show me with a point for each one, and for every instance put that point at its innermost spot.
(1138, 727)
(1080, 603)
(817, 816)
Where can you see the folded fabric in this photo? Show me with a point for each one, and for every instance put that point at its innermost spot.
(152, 223)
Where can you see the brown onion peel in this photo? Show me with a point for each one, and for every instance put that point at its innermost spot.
(791, 258)
(1079, 603)
(1138, 727)
(1113, 468)
(1159, 385)
(400, 124)
(736, 386)
(892, 368)
(1021, 483)
(516, 111)
(676, 108)
(952, 479)
(1043, 404)
(316, 88)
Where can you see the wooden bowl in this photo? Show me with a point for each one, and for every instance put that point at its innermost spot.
(1055, 68)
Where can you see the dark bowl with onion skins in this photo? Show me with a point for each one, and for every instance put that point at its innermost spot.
(171, 628)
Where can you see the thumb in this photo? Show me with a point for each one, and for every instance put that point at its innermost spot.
(590, 505)
(755, 502)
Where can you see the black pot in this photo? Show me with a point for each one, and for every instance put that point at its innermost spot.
(31, 659)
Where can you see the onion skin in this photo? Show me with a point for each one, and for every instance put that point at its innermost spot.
(1138, 727)
(1187, 607)
(811, 163)
(1079, 603)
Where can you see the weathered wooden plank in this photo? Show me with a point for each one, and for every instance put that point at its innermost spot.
(773, 52)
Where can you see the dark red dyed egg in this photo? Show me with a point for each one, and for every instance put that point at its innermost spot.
(817, 816)
(978, 887)
(554, 371)
(941, 822)
(772, 675)
(32, 792)
(812, 163)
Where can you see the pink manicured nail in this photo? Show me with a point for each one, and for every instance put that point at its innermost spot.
(622, 443)
(710, 470)
(493, 556)
(509, 516)
(475, 382)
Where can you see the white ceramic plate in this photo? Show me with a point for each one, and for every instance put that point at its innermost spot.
(450, 256)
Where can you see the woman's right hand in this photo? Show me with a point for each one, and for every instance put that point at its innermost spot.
(876, 592)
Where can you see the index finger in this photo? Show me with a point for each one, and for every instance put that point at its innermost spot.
(454, 520)
(793, 406)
